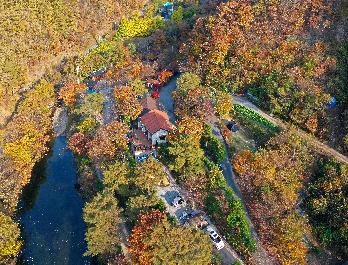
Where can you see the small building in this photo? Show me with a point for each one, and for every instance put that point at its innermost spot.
(156, 126)
(167, 10)
(141, 145)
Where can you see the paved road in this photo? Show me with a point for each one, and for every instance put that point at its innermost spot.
(168, 193)
(319, 146)
(227, 253)
(166, 99)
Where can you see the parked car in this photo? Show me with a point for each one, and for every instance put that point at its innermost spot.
(198, 221)
(214, 236)
(179, 202)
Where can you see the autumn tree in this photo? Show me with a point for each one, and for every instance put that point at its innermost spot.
(155, 241)
(187, 81)
(115, 175)
(140, 231)
(272, 179)
(150, 174)
(88, 126)
(192, 99)
(223, 104)
(102, 217)
(170, 244)
(10, 243)
(69, 93)
(109, 140)
(138, 87)
(261, 47)
(127, 103)
(78, 143)
(25, 138)
(289, 231)
(91, 106)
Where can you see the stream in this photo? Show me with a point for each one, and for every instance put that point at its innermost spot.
(51, 212)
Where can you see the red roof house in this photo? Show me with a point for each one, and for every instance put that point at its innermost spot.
(156, 125)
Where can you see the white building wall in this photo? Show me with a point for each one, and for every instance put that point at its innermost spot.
(156, 137)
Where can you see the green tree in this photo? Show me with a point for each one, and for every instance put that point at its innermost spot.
(178, 15)
(186, 155)
(115, 175)
(212, 145)
(150, 174)
(168, 244)
(141, 204)
(92, 105)
(102, 217)
(10, 243)
(327, 204)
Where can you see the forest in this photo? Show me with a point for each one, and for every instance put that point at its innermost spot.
(219, 75)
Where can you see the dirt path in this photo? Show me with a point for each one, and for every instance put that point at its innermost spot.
(319, 146)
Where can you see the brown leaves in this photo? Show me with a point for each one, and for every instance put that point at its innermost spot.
(78, 143)
(127, 103)
(271, 180)
(69, 92)
(109, 141)
(247, 42)
(140, 231)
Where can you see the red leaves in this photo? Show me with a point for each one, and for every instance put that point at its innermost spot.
(78, 143)
(141, 230)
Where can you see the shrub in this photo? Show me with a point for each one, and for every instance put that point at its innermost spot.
(138, 26)
(213, 146)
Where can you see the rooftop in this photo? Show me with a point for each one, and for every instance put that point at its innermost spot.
(138, 138)
(155, 120)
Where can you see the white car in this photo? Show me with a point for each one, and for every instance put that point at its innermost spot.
(179, 202)
(219, 244)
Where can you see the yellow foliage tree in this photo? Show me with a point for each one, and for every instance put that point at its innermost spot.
(10, 243)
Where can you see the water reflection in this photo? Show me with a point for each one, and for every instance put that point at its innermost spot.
(51, 213)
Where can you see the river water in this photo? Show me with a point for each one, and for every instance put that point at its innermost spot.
(51, 213)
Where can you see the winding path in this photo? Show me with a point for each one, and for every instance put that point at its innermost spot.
(319, 146)
(227, 253)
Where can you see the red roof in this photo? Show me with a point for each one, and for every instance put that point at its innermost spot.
(138, 138)
(156, 120)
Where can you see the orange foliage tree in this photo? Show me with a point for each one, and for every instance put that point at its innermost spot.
(109, 140)
(127, 103)
(69, 92)
(271, 179)
(262, 46)
(140, 231)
